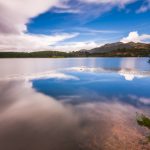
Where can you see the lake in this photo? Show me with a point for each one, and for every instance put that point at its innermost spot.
(74, 103)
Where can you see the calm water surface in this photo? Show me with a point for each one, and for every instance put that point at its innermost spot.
(73, 103)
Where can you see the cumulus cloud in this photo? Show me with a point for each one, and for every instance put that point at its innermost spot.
(135, 37)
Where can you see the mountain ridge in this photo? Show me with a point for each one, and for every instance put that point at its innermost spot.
(119, 46)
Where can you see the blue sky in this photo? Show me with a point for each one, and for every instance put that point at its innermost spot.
(74, 24)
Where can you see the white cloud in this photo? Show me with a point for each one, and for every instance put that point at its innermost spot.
(121, 3)
(72, 11)
(94, 31)
(16, 14)
(100, 7)
(31, 42)
(145, 7)
(75, 46)
(14, 17)
(135, 37)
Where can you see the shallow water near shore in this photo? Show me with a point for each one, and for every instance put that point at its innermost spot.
(73, 103)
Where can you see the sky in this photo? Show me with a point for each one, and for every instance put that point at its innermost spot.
(71, 25)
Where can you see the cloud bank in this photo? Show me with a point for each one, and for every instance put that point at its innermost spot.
(135, 37)
(31, 42)
(75, 46)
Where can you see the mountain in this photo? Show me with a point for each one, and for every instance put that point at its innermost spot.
(119, 46)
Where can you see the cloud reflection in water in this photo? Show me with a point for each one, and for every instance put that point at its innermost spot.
(62, 107)
(30, 120)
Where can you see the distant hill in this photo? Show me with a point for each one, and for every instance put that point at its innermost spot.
(120, 46)
(109, 50)
(39, 54)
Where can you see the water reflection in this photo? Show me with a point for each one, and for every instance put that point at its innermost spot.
(73, 104)
(29, 120)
